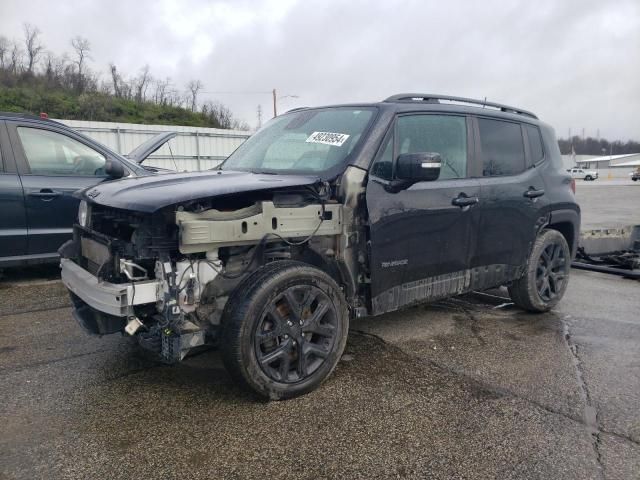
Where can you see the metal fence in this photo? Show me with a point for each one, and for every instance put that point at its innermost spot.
(194, 148)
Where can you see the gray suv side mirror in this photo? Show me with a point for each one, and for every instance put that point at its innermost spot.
(415, 167)
(114, 169)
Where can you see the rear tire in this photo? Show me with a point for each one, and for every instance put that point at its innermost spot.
(546, 276)
(284, 329)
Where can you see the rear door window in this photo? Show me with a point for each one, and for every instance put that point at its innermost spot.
(502, 147)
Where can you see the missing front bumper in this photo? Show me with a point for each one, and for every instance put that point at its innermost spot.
(110, 298)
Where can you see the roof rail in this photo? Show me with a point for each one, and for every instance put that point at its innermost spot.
(26, 116)
(431, 98)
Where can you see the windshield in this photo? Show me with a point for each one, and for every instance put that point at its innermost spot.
(308, 141)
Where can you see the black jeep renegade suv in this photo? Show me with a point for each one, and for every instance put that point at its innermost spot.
(326, 214)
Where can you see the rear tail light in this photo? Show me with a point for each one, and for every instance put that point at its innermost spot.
(573, 185)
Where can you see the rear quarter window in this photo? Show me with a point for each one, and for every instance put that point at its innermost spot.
(535, 143)
(502, 147)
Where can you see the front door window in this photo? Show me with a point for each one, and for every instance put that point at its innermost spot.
(51, 153)
(443, 134)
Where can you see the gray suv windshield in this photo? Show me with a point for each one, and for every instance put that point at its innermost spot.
(305, 141)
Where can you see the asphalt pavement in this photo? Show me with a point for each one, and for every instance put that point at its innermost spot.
(608, 203)
(466, 388)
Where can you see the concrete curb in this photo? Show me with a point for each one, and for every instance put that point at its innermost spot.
(602, 241)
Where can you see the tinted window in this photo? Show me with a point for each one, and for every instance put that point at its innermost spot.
(443, 134)
(51, 153)
(502, 147)
(535, 143)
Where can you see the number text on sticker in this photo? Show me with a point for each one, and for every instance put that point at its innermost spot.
(328, 138)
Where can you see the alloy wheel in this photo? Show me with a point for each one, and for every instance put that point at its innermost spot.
(551, 272)
(295, 334)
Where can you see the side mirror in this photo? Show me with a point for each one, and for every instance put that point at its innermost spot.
(415, 167)
(418, 167)
(114, 169)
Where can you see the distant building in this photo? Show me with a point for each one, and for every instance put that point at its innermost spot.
(609, 166)
(611, 161)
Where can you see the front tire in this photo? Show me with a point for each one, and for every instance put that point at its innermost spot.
(284, 329)
(588, 178)
(546, 276)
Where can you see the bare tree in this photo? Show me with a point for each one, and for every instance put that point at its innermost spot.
(5, 46)
(221, 116)
(177, 99)
(17, 56)
(130, 89)
(115, 79)
(142, 83)
(105, 88)
(32, 44)
(82, 48)
(160, 95)
(55, 68)
(194, 87)
(49, 61)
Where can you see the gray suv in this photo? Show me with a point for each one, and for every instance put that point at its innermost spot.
(42, 164)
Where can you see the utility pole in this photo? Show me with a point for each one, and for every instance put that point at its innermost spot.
(275, 100)
(259, 116)
(275, 108)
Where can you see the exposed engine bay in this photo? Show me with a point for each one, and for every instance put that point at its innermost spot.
(165, 277)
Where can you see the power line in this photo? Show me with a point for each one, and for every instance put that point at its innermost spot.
(273, 93)
(239, 93)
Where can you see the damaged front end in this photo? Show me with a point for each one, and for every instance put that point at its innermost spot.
(165, 276)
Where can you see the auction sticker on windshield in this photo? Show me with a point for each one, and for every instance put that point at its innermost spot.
(328, 138)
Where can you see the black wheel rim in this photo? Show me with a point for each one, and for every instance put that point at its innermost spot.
(551, 272)
(295, 334)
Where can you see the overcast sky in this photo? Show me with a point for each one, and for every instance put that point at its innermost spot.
(576, 63)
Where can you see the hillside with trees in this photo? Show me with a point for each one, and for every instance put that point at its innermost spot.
(595, 146)
(34, 79)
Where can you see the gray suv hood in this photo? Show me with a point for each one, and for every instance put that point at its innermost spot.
(142, 151)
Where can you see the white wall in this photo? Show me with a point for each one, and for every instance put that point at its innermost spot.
(194, 148)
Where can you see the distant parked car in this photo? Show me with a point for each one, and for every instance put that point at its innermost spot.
(42, 162)
(635, 175)
(581, 173)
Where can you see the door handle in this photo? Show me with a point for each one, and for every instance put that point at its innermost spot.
(533, 193)
(463, 201)
(45, 194)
